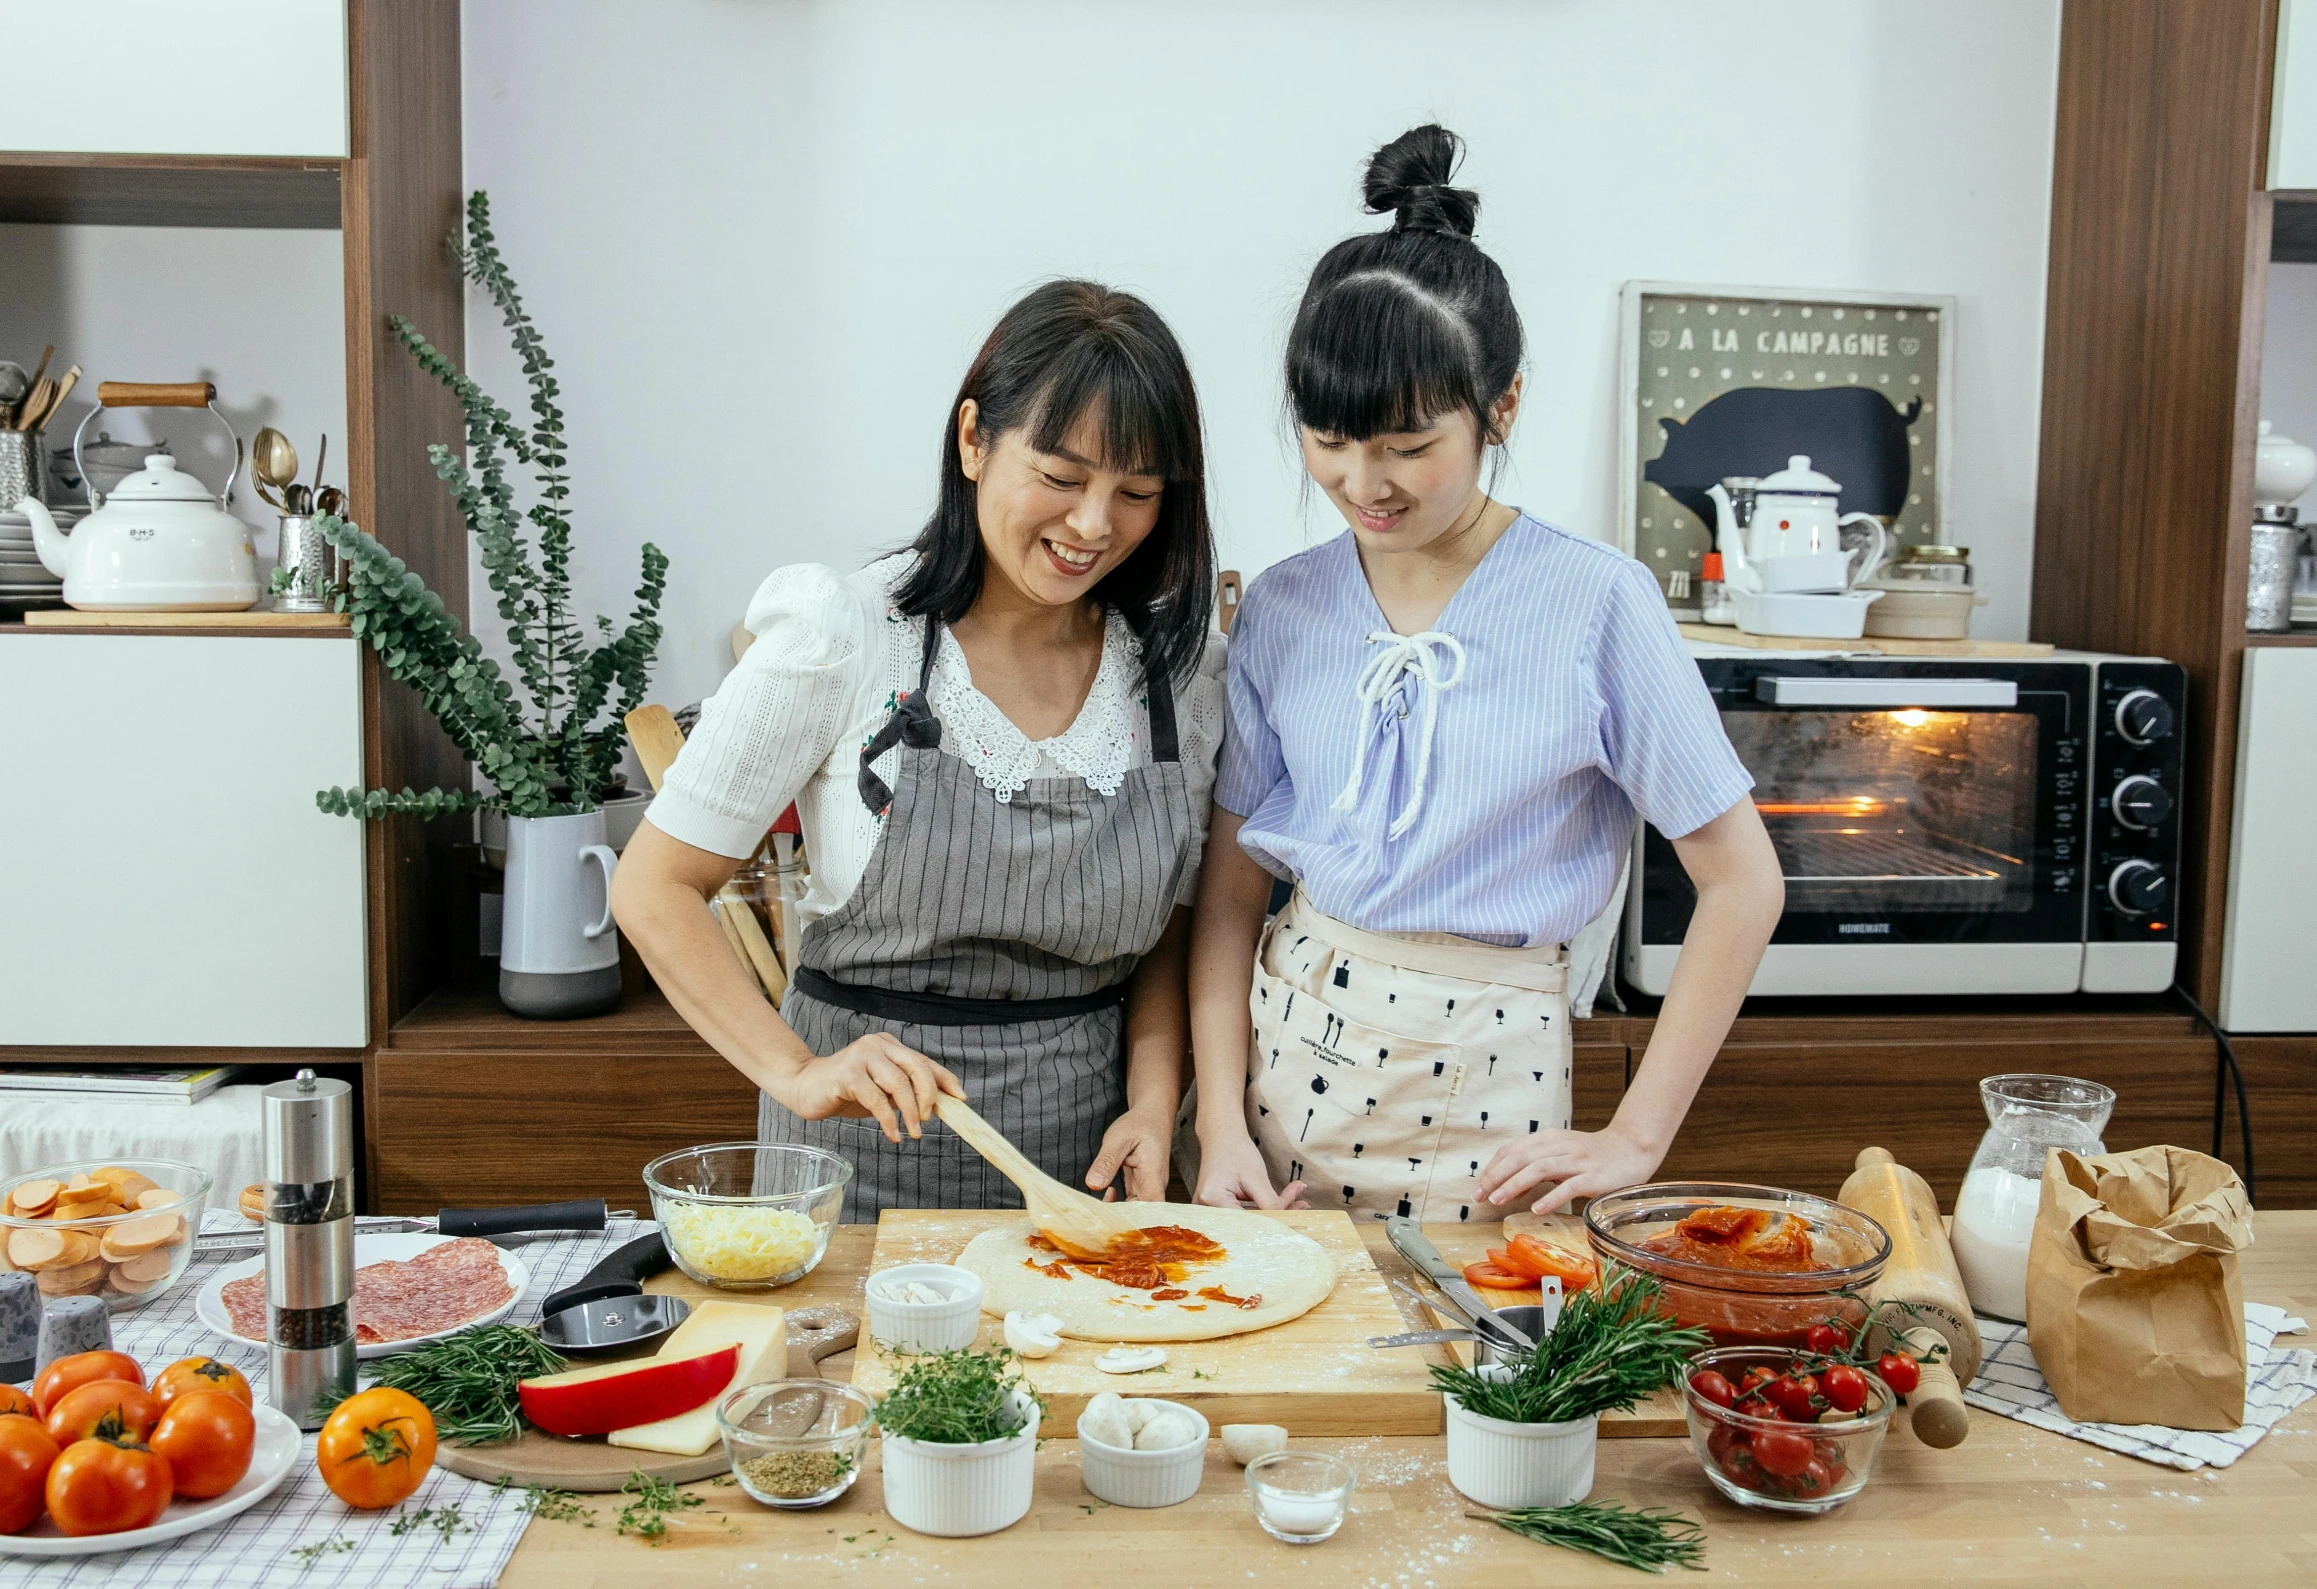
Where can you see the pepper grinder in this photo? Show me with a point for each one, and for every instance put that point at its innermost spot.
(309, 1245)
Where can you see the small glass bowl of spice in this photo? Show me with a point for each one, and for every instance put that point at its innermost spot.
(796, 1443)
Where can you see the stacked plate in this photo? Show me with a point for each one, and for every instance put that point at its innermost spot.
(24, 581)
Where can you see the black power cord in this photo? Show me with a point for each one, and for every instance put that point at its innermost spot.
(2224, 1073)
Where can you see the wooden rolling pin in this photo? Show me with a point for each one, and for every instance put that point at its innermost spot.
(1922, 1273)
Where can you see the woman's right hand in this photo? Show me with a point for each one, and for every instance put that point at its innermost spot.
(878, 1076)
(1232, 1175)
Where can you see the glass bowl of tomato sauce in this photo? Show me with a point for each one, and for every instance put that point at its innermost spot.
(1750, 1265)
(1780, 1430)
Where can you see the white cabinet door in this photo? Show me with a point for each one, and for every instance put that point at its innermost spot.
(187, 77)
(2268, 980)
(165, 877)
(2293, 98)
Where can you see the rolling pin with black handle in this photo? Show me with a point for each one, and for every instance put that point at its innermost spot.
(1921, 1273)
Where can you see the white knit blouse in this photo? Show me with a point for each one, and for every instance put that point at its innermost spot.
(830, 657)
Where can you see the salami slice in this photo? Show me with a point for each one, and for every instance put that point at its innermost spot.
(398, 1299)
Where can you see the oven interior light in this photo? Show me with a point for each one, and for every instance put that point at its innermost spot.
(1849, 806)
(1912, 717)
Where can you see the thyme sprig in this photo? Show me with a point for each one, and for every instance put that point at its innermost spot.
(1609, 1350)
(958, 1398)
(655, 1500)
(1652, 1540)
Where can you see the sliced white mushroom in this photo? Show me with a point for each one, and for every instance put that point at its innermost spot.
(1244, 1442)
(1034, 1334)
(1167, 1429)
(1131, 1359)
(1104, 1421)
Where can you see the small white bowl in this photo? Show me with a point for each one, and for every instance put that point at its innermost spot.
(958, 1491)
(922, 1327)
(1503, 1464)
(1805, 573)
(1808, 617)
(1145, 1478)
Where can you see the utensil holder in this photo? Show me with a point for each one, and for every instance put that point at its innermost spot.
(23, 468)
(307, 565)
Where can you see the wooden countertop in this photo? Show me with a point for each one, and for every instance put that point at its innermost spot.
(2012, 1504)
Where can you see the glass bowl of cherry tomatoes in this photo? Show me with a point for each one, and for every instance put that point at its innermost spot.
(1785, 1431)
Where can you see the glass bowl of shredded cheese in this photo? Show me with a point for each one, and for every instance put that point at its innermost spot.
(747, 1216)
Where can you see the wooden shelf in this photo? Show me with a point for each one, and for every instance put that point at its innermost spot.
(2299, 637)
(170, 190)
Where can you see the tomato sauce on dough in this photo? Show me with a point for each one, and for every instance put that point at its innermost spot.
(1140, 1260)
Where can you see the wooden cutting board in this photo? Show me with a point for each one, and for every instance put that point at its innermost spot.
(1315, 1375)
(1870, 645)
(593, 1465)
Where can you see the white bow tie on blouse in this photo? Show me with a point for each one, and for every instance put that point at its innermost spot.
(1420, 656)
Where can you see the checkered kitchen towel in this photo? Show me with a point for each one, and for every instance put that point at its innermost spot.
(2277, 1379)
(360, 1550)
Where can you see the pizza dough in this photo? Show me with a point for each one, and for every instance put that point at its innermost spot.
(1281, 1272)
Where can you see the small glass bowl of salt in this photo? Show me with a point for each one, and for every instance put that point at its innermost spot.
(1300, 1496)
(796, 1443)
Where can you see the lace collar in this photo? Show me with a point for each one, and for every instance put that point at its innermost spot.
(1097, 747)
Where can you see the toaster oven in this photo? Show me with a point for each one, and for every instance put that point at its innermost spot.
(1946, 825)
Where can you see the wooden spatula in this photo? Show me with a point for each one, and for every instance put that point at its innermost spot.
(1079, 1224)
(657, 739)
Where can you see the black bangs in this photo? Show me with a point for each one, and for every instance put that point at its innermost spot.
(1377, 355)
(1069, 350)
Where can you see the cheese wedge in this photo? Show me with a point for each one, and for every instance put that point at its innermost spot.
(762, 1337)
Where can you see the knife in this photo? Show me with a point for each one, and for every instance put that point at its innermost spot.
(1410, 1242)
(588, 1214)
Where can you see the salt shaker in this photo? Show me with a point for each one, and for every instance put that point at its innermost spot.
(72, 1325)
(309, 1245)
(19, 1325)
(2271, 569)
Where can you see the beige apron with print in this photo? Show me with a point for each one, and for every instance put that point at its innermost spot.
(1388, 1069)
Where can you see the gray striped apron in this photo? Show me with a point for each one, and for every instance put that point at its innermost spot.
(996, 938)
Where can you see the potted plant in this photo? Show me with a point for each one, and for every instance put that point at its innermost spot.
(959, 1437)
(1522, 1431)
(551, 747)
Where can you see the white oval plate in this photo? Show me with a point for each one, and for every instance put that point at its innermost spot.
(270, 1461)
(209, 1305)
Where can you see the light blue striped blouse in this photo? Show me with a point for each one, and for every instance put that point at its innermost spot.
(1576, 706)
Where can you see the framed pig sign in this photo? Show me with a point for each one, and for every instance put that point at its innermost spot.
(1722, 381)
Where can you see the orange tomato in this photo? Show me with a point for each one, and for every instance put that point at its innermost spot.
(26, 1454)
(207, 1436)
(108, 1487)
(13, 1400)
(70, 1373)
(104, 1409)
(1541, 1259)
(201, 1373)
(1495, 1276)
(376, 1447)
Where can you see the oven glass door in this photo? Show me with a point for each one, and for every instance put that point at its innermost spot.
(1896, 823)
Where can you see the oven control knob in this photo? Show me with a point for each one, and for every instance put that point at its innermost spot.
(2137, 887)
(2143, 717)
(2140, 802)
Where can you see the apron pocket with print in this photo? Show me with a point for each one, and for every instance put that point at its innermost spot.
(1351, 1110)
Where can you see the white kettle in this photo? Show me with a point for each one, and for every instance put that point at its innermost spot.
(1793, 540)
(158, 541)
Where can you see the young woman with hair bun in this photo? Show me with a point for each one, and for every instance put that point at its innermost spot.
(1441, 726)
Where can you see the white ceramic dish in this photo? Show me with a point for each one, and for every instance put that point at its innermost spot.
(1804, 573)
(209, 1306)
(1503, 1464)
(271, 1458)
(958, 1491)
(1126, 1477)
(918, 1327)
(1805, 617)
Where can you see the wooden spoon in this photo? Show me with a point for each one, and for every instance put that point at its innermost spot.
(1079, 1224)
(653, 732)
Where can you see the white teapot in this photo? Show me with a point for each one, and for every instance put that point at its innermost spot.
(157, 542)
(1792, 542)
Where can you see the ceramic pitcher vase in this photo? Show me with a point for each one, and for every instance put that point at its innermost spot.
(558, 951)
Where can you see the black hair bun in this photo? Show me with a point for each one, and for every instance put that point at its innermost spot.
(1409, 176)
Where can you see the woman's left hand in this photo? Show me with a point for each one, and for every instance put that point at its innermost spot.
(1138, 1142)
(1584, 1163)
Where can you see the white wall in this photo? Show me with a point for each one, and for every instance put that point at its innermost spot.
(2289, 350)
(763, 239)
(258, 314)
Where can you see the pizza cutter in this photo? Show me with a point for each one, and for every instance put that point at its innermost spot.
(608, 1310)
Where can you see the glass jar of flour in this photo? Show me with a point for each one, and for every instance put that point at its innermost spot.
(2027, 1116)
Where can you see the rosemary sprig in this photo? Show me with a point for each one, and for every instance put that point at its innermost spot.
(468, 1381)
(1610, 1349)
(1651, 1540)
(958, 1398)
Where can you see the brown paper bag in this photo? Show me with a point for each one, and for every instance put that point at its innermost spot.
(2134, 1309)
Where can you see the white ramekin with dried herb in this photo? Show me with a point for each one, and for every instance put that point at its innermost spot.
(959, 1441)
(796, 1443)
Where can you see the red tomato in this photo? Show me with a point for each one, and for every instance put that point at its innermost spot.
(1845, 1388)
(1814, 1480)
(1495, 1277)
(200, 1373)
(1737, 1461)
(1827, 1340)
(1756, 1407)
(1782, 1451)
(207, 1436)
(1725, 1436)
(1713, 1387)
(1754, 1377)
(14, 1401)
(26, 1454)
(69, 1373)
(1900, 1371)
(103, 1409)
(104, 1487)
(1791, 1394)
(1830, 1453)
(1533, 1255)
